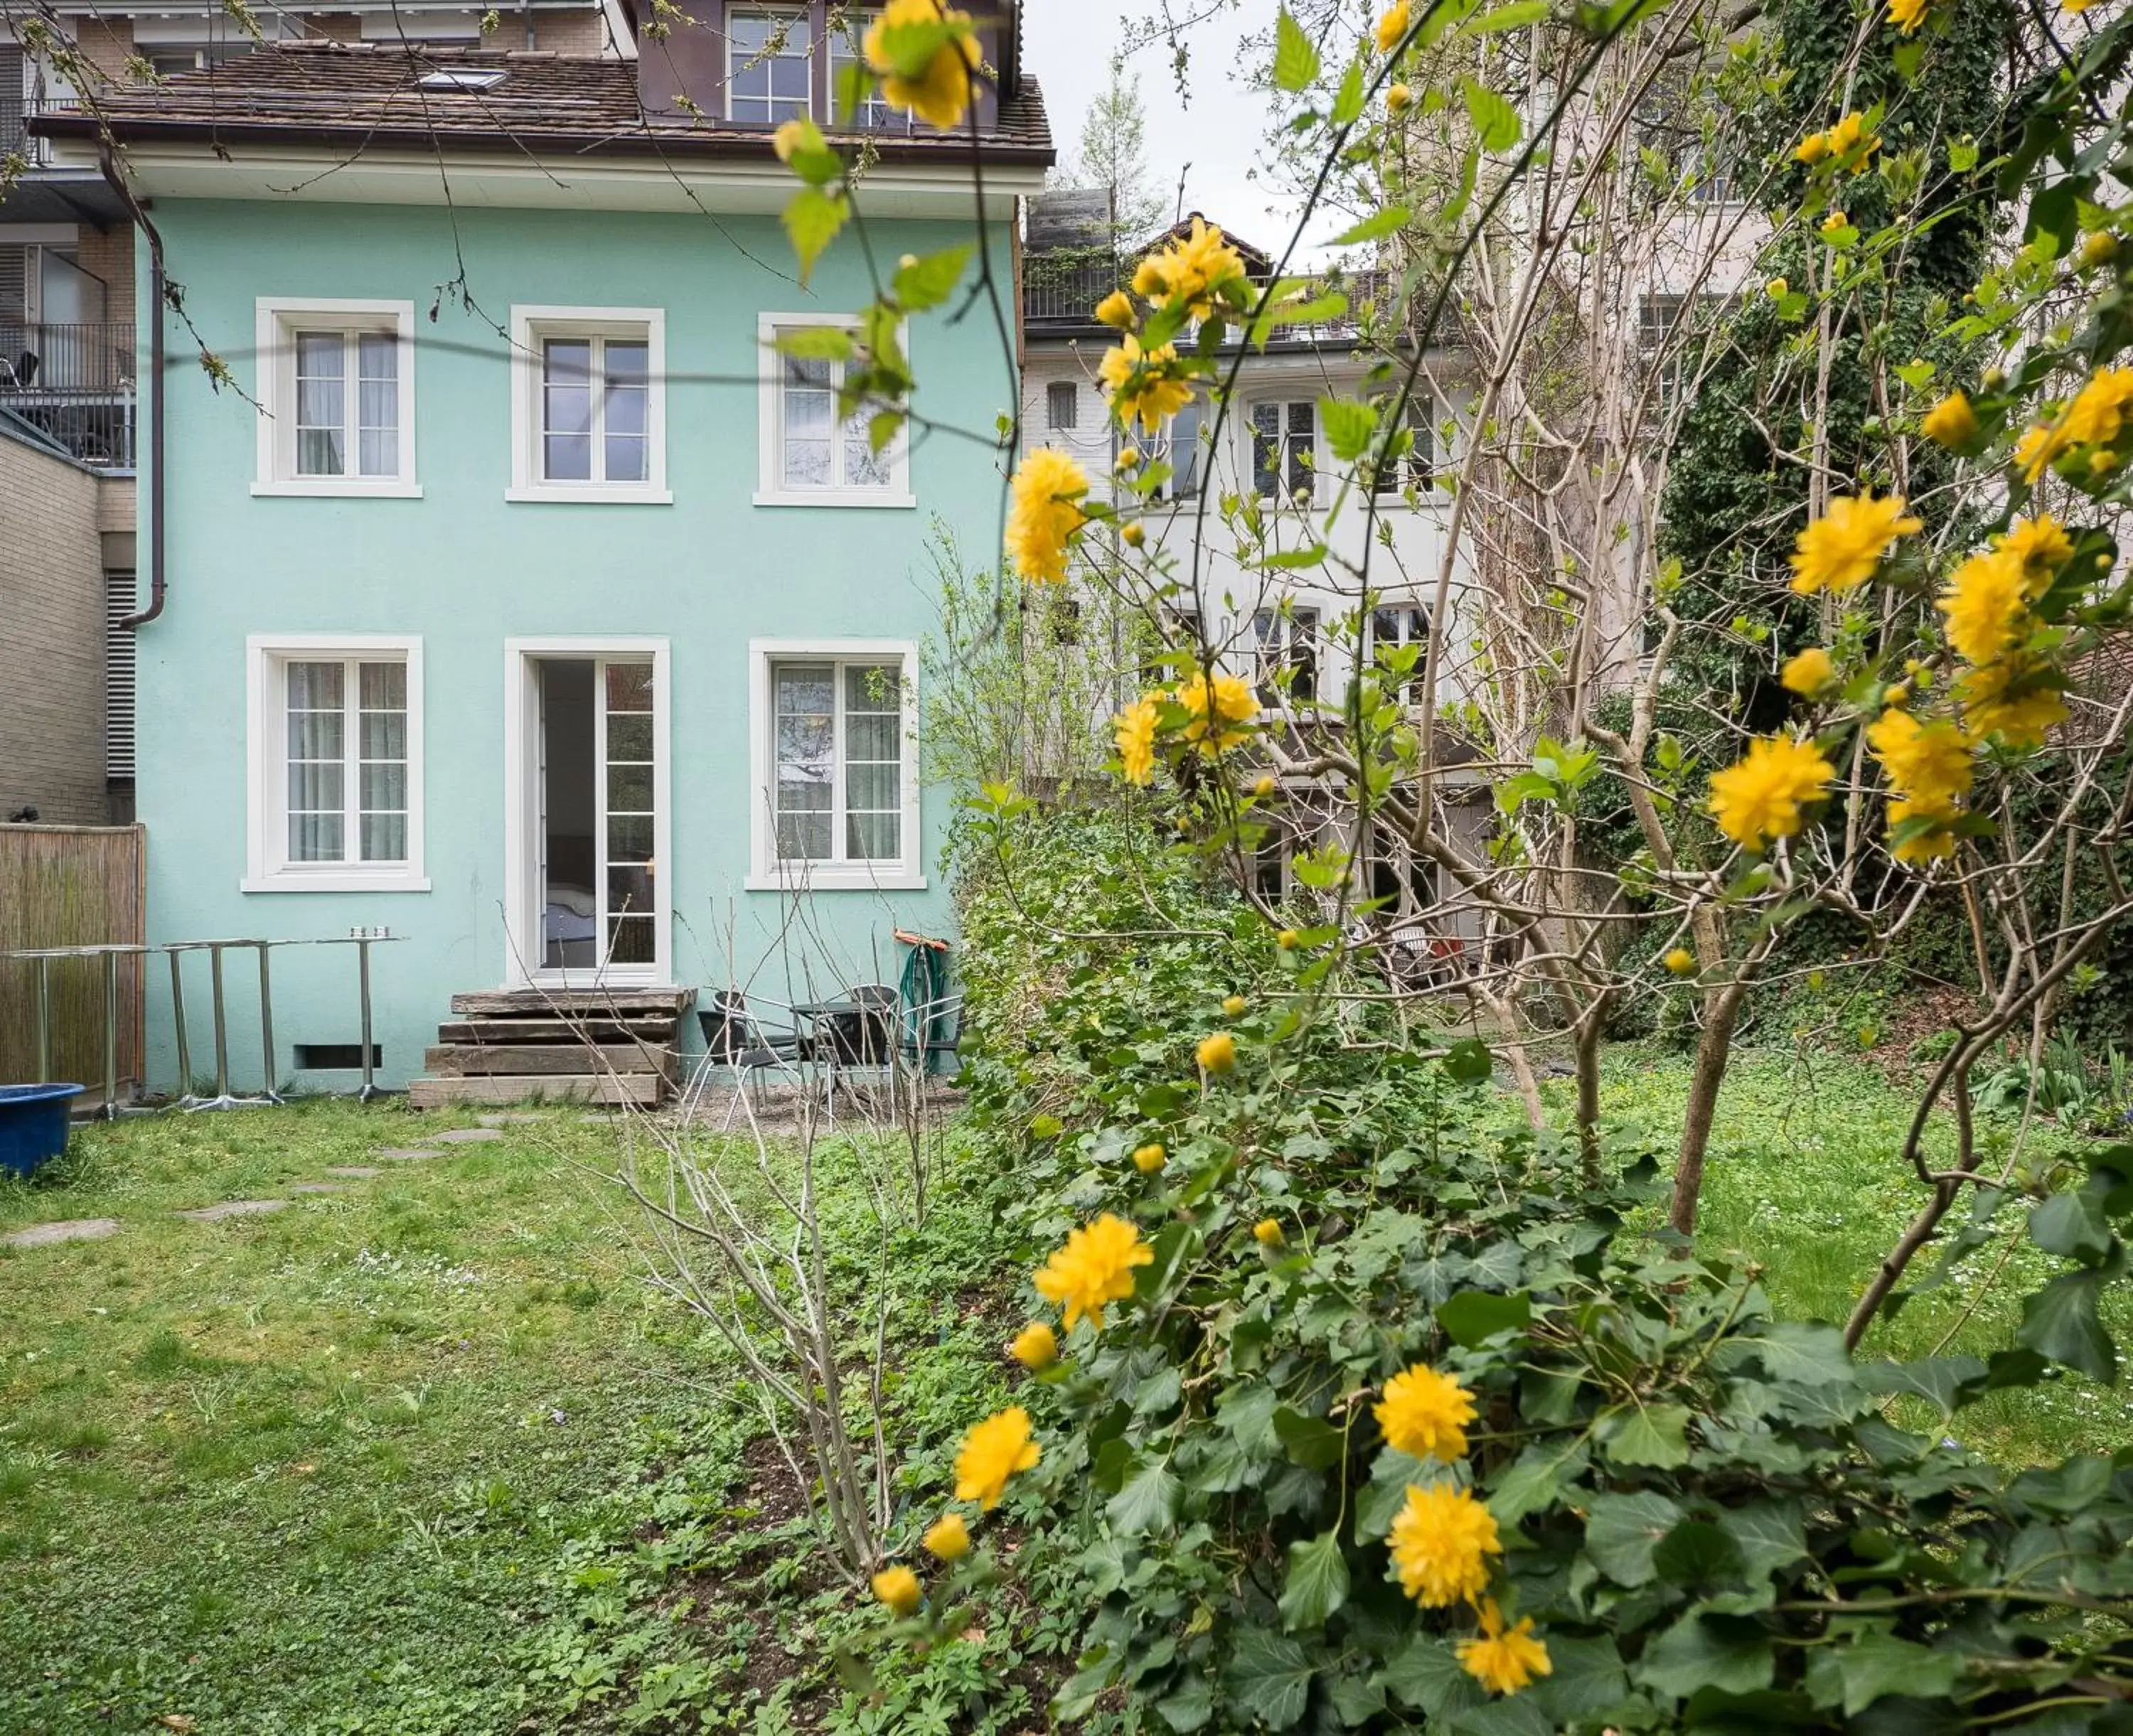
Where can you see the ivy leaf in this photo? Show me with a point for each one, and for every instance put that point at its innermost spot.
(1621, 1531)
(812, 218)
(1310, 1441)
(1425, 1674)
(1708, 1651)
(1295, 59)
(1791, 1350)
(1269, 1675)
(929, 280)
(1698, 1555)
(1146, 1503)
(1379, 1504)
(1318, 1582)
(1533, 1481)
(2060, 1322)
(1878, 1663)
(1948, 1381)
(1654, 1435)
(1769, 1535)
(1497, 123)
(1474, 1316)
(1585, 1679)
(1379, 224)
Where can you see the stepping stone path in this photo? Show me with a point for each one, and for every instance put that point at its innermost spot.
(405, 1153)
(462, 1135)
(318, 1187)
(505, 1118)
(234, 1208)
(357, 1171)
(72, 1229)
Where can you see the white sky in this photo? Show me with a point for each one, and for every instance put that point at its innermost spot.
(1214, 140)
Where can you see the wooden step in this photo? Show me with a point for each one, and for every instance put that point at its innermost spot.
(647, 1089)
(535, 1002)
(527, 1058)
(652, 1028)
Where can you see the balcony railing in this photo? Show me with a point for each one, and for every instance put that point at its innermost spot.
(15, 111)
(1058, 294)
(75, 382)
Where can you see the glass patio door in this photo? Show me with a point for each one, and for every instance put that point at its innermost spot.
(626, 784)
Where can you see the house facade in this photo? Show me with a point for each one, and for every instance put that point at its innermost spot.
(516, 596)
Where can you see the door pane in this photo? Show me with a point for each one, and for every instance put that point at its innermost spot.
(567, 414)
(630, 687)
(629, 735)
(631, 940)
(628, 788)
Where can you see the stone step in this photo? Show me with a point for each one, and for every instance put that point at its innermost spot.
(461, 1059)
(543, 1002)
(647, 1088)
(653, 1028)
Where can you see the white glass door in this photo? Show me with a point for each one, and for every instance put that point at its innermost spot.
(625, 757)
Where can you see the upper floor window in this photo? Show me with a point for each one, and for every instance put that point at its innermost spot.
(589, 404)
(1416, 466)
(812, 454)
(1061, 404)
(767, 76)
(1182, 444)
(846, 56)
(336, 393)
(1285, 654)
(1283, 432)
(1393, 626)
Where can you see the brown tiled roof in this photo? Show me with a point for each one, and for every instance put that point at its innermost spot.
(373, 95)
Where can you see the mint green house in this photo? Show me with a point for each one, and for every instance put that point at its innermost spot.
(512, 594)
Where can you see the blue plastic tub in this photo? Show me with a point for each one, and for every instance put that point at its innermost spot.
(33, 1125)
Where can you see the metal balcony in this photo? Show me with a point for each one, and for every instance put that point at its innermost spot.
(17, 109)
(75, 382)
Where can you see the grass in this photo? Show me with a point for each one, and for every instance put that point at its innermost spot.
(426, 1455)
(1806, 1180)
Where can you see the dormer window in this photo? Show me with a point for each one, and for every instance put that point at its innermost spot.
(768, 78)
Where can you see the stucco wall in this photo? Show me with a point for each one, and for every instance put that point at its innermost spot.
(51, 639)
(464, 569)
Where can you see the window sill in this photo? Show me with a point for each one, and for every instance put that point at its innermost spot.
(878, 497)
(333, 882)
(329, 486)
(837, 878)
(594, 495)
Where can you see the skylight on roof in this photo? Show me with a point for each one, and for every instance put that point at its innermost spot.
(460, 78)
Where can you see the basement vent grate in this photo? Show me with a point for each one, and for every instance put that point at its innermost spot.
(336, 1057)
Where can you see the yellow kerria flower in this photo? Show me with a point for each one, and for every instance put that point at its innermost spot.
(941, 95)
(1134, 535)
(1835, 224)
(948, 1538)
(993, 1451)
(1442, 1541)
(1812, 149)
(1048, 490)
(1144, 383)
(1268, 1234)
(1424, 1414)
(1391, 25)
(1093, 1269)
(1116, 308)
(1839, 551)
(1234, 1005)
(1758, 799)
(1217, 1053)
(1951, 422)
(1193, 268)
(1928, 763)
(2095, 416)
(1680, 962)
(1907, 14)
(1504, 1660)
(898, 1587)
(1147, 1159)
(1399, 99)
(789, 137)
(1148, 279)
(2075, 8)
(1808, 673)
(2013, 699)
(1134, 729)
(1288, 939)
(1850, 134)
(1035, 1346)
(1219, 711)
(1984, 603)
(2042, 546)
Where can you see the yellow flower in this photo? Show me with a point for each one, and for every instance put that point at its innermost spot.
(2013, 699)
(1391, 25)
(1218, 709)
(790, 137)
(1268, 1233)
(1504, 1660)
(1093, 1269)
(1928, 763)
(1035, 1346)
(1116, 308)
(1850, 134)
(1424, 1414)
(1778, 288)
(1399, 99)
(2099, 249)
(1809, 672)
(1134, 535)
(1218, 1053)
(1759, 798)
(1288, 939)
(2042, 546)
(1681, 961)
(941, 95)
(1147, 1159)
(2095, 416)
(897, 1587)
(948, 1538)
(1984, 603)
(1264, 785)
(1840, 550)
(2075, 8)
(1234, 1005)
(1899, 694)
(1134, 730)
(1813, 148)
(1836, 223)
(1951, 422)
(1194, 267)
(1144, 384)
(1907, 14)
(1441, 1544)
(1128, 457)
(1047, 489)
(992, 1452)
(1148, 279)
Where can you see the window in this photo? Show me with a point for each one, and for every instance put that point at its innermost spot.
(589, 404)
(1416, 467)
(337, 389)
(1061, 404)
(1181, 446)
(1395, 626)
(1283, 432)
(837, 804)
(335, 761)
(1285, 645)
(846, 58)
(1672, 331)
(768, 78)
(811, 455)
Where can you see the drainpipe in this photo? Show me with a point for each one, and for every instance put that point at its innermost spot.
(154, 376)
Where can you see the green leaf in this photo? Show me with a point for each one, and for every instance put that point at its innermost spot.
(1585, 1679)
(812, 218)
(1515, 15)
(2060, 1322)
(883, 426)
(1497, 123)
(2070, 1226)
(1948, 1381)
(928, 281)
(1310, 1441)
(1467, 1062)
(1769, 1535)
(1348, 102)
(1379, 1504)
(1621, 1531)
(1474, 1316)
(1708, 1651)
(1878, 1663)
(1426, 1674)
(1655, 1435)
(1269, 1675)
(1699, 1555)
(1187, 1706)
(1318, 1582)
(817, 343)
(1146, 1502)
(1793, 1350)
(1349, 427)
(1295, 59)
(1379, 224)
(1533, 1480)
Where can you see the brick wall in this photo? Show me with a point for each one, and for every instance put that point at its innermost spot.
(51, 656)
(108, 254)
(571, 33)
(107, 44)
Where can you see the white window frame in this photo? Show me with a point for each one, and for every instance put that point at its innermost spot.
(766, 873)
(277, 320)
(1248, 433)
(268, 869)
(846, 45)
(771, 490)
(534, 326)
(799, 44)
